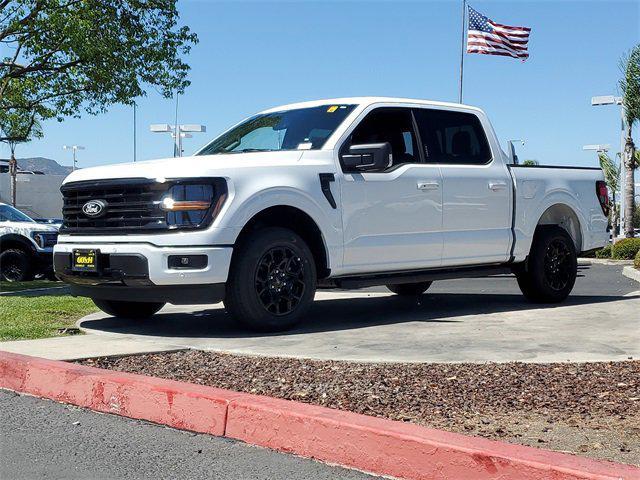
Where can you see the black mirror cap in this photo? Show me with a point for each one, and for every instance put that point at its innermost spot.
(368, 157)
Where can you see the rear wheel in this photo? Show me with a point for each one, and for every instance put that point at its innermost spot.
(551, 269)
(272, 280)
(15, 265)
(410, 289)
(134, 310)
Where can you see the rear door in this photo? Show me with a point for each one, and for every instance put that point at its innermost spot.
(392, 219)
(476, 188)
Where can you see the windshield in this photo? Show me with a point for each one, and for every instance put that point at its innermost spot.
(299, 129)
(10, 214)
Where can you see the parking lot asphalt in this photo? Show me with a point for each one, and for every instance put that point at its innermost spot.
(47, 440)
(467, 320)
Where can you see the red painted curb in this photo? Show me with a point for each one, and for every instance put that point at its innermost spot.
(372, 444)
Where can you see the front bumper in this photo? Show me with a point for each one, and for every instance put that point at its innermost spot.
(141, 272)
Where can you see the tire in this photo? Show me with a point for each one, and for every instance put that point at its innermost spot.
(550, 271)
(272, 280)
(410, 289)
(15, 265)
(132, 310)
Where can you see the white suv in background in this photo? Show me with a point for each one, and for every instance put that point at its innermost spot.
(26, 247)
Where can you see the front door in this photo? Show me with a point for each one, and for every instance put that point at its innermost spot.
(392, 219)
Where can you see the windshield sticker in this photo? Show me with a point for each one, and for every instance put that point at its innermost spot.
(332, 108)
(305, 146)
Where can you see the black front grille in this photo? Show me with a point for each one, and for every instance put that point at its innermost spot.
(132, 205)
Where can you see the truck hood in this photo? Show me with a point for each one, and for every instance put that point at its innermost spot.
(25, 228)
(185, 167)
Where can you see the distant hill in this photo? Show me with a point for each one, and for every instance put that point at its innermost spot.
(44, 165)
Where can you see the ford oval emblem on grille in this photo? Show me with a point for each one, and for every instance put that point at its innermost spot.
(94, 208)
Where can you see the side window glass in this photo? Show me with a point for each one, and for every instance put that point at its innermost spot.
(452, 137)
(393, 125)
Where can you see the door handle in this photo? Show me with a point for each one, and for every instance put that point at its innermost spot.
(428, 185)
(495, 186)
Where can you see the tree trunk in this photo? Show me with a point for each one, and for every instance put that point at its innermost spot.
(13, 168)
(614, 217)
(629, 184)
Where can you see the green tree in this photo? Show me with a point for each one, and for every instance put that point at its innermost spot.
(530, 163)
(630, 88)
(68, 56)
(611, 172)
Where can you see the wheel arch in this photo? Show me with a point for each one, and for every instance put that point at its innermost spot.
(13, 240)
(565, 217)
(297, 220)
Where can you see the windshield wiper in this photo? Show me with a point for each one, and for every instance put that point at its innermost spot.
(246, 150)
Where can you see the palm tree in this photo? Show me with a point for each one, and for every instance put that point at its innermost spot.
(611, 172)
(630, 88)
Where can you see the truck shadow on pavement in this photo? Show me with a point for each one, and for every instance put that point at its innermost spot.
(346, 313)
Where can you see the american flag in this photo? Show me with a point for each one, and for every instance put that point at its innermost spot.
(490, 38)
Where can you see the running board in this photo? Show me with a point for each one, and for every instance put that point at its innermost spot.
(393, 278)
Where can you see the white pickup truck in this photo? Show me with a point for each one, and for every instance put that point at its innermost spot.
(341, 193)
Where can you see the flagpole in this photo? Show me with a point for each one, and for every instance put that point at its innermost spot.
(462, 43)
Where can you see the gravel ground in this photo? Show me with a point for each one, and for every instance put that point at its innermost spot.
(590, 409)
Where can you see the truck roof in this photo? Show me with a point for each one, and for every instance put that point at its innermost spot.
(369, 101)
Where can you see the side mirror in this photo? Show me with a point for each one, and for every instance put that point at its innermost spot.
(368, 157)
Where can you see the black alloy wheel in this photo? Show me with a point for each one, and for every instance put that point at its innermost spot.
(557, 265)
(279, 280)
(272, 280)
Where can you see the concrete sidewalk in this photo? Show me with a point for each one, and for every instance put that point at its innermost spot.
(86, 346)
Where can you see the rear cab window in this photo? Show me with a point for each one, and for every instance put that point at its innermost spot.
(450, 137)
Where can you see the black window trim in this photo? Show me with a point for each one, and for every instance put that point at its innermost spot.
(484, 134)
(392, 168)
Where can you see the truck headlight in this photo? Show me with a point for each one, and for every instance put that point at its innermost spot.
(193, 203)
(44, 239)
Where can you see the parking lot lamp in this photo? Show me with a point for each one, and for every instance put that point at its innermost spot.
(613, 100)
(178, 133)
(74, 148)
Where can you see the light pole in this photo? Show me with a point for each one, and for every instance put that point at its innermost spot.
(177, 132)
(74, 148)
(598, 148)
(613, 100)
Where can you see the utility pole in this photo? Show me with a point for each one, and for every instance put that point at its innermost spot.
(13, 172)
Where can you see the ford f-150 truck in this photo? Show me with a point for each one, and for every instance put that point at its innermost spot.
(341, 193)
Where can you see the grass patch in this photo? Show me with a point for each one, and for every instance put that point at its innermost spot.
(28, 317)
(19, 286)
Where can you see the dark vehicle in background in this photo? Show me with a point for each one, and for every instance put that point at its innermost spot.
(26, 247)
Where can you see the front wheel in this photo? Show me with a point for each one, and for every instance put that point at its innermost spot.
(15, 265)
(133, 310)
(410, 289)
(272, 280)
(552, 267)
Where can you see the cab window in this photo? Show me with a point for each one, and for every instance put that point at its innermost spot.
(452, 137)
(393, 125)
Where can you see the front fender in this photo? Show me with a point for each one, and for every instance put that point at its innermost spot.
(242, 210)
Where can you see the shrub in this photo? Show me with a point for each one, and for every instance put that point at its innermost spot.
(625, 249)
(636, 262)
(605, 252)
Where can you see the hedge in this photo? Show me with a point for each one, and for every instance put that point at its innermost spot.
(625, 249)
(605, 252)
(636, 262)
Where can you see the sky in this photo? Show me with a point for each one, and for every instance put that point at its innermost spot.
(256, 55)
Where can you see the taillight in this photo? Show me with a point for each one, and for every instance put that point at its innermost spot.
(603, 196)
